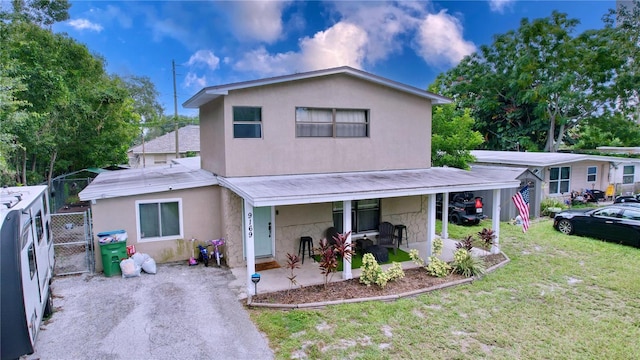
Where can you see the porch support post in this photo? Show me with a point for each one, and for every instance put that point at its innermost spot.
(445, 215)
(431, 222)
(495, 221)
(346, 221)
(249, 247)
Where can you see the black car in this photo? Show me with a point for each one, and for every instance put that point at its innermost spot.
(618, 223)
(627, 199)
(464, 208)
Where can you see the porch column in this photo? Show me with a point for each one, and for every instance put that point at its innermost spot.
(346, 222)
(495, 221)
(431, 222)
(445, 215)
(249, 247)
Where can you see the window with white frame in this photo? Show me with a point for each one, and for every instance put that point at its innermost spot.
(559, 180)
(159, 219)
(365, 216)
(318, 122)
(592, 172)
(247, 122)
(627, 174)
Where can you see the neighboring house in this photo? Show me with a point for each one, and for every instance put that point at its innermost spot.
(626, 175)
(561, 173)
(292, 156)
(161, 150)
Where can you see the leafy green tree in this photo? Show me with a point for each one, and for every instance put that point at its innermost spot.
(608, 130)
(40, 12)
(453, 137)
(534, 85)
(80, 116)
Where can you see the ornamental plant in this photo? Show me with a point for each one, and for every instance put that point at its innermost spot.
(372, 273)
(487, 236)
(436, 266)
(466, 264)
(293, 262)
(329, 254)
(466, 244)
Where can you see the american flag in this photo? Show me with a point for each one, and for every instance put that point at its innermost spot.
(521, 199)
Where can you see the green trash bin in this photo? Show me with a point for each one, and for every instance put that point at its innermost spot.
(113, 248)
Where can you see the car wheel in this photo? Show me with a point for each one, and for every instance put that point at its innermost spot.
(476, 222)
(455, 219)
(565, 226)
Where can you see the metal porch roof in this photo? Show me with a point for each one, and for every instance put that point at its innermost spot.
(315, 188)
(539, 159)
(131, 182)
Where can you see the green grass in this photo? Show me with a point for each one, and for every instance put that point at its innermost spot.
(560, 296)
(356, 259)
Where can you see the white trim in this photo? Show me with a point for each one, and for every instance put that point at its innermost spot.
(161, 238)
(247, 210)
(346, 224)
(431, 222)
(495, 221)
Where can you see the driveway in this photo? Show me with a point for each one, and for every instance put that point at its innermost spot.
(181, 312)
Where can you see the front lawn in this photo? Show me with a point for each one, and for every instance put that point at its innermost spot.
(560, 297)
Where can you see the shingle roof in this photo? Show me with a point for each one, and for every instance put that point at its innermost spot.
(188, 140)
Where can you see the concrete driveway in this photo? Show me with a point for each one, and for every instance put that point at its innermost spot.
(181, 312)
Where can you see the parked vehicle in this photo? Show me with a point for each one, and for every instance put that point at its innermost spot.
(464, 208)
(616, 223)
(26, 267)
(627, 199)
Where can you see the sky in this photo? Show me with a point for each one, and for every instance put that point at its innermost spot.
(221, 42)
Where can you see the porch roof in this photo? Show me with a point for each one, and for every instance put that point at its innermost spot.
(541, 159)
(316, 188)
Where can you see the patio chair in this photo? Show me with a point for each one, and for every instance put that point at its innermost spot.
(331, 234)
(386, 236)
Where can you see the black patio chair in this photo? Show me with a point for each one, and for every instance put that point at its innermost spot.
(331, 234)
(386, 236)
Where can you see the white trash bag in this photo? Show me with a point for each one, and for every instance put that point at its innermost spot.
(139, 258)
(149, 266)
(129, 268)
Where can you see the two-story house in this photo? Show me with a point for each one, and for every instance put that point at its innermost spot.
(291, 156)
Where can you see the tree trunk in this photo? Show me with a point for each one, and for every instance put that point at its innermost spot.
(559, 139)
(24, 167)
(51, 163)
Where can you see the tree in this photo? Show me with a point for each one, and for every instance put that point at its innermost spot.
(532, 86)
(40, 12)
(79, 116)
(452, 137)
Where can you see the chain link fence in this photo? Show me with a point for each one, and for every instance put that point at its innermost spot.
(73, 243)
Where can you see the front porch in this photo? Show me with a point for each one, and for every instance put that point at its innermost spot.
(309, 273)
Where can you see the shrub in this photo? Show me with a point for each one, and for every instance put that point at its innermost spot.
(415, 257)
(551, 203)
(487, 236)
(293, 262)
(437, 267)
(466, 244)
(329, 254)
(467, 265)
(372, 272)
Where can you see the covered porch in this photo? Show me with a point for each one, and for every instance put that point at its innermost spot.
(286, 190)
(309, 273)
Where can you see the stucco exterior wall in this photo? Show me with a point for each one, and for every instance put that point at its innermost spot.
(232, 216)
(200, 216)
(409, 211)
(295, 221)
(578, 179)
(212, 137)
(393, 115)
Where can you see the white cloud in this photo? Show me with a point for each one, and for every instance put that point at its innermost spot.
(499, 5)
(84, 24)
(257, 20)
(342, 44)
(440, 42)
(191, 80)
(204, 57)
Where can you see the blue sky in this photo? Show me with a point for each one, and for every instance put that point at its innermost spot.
(215, 42)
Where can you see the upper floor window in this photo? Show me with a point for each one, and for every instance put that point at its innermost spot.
(314, 122)
(592, 172)
(627, 174)
(247, 122)
(559, 179)
(159, 219)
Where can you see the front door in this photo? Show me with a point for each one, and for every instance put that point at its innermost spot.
(263, 235)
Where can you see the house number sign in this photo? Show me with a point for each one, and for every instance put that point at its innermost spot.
(250, 224)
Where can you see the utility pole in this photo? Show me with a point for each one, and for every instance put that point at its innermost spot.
(175, 108)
